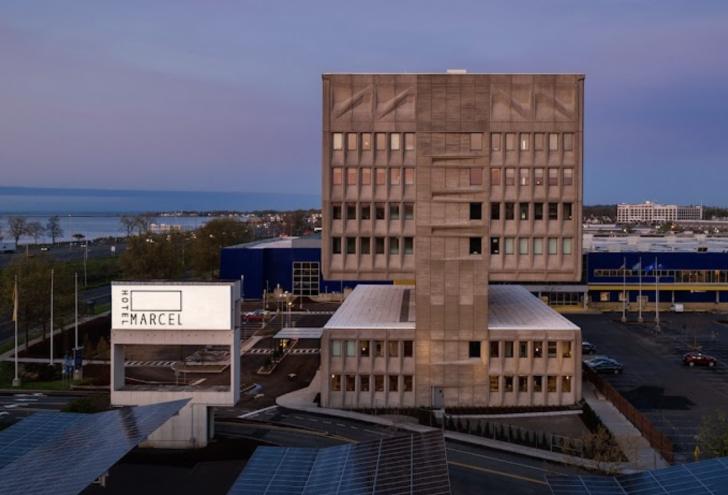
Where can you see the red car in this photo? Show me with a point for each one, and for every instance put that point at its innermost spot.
(696, 358)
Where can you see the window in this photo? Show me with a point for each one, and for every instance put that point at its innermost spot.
(365, 213)
(495, 142)
(335, 348)
(495, 211)
(510, 211)
(350, 383)
(568, 211)
(538, 246)
(476, 176)
(494, 348)
(475, 245)
(351, 176)
(494, 382)
(538, 384)
(537, 349)
(538, 211)
(568, 141)
(523, 349)
(394, 141)
(379, 245)
(393, 348)
(335, 384)
(508, 348)
(393, 211)
(474, 349)
(409, 141)
(408, 383)
(351, 139)
(338, 141)
(366, 141)
(351, 245)
(350, 348)
(568, 176)
(378, 348)
(552, 245)
(523, 384)
(407, 347)
(566, 349)
(508, 245)
(409, 176)
(551, 346)
(409, 245)
(495, 176)
(393, 245)
(366, 177)
(604, 297)
(381, 139)
(351, 212)
(510, 141)
(553, 211)
(364, 382)
(538, 141)
(553, 141)
(476, 141)
(508, 383)
(379, 211)
(566, 246)
(365, 245)
(538, 176)
(393, 383)
(566, 384)
(494, 245)
(553, 177)
(523, 211)
(551, 384)
(336, 176)
(523, 245)
(306, 275)
(363, 348)
(476, 211)
(395, 176)
(379, 383)
(525, 141)
(523, 174)
(381, 176)
(336, 212)
(336, 245)
(409, 211)
(510, 177)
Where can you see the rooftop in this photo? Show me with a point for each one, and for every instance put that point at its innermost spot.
(307, 241)
(513, 307)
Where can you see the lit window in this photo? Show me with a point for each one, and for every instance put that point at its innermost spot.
(494, 245)
(494, 382)
(495, 211)
(351, 174)
(395, 176)
(553, 141)
(510, 177)
(537, 349)
(538, 176)
(552, 245)
(476, 176)
(394, 143)
(337, 177)
(336, 245)
(523, 211)
(475, 245)
(525, 139)
(508, 246)
(566, 246)
(366, 177)
(495, 177)
(338, 141)
(366, 141)
(393, 245)
(351, 141)
(523, 245)
(566, 384)
(409, 245)
(476, 141)
(510, 141)
(335, 348)
(538, 246)
(474, 349)
(335, 383)
(566, 349)
(523, 174)
(409, 176)
(409, 141)
(495, 142)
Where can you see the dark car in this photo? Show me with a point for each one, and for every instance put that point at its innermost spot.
(588, 348)
(696, 358)
(605, 365)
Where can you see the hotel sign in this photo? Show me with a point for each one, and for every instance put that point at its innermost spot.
(172, 306)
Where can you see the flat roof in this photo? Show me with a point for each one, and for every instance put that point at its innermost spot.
(299, 333)
(288, 242)
(456, 72)
(513, 307)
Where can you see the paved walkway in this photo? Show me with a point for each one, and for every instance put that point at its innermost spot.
(637, 449)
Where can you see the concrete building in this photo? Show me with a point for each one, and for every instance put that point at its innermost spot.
(649, 212)
(452, 181)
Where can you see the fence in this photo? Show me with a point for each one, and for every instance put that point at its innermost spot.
(658, 440)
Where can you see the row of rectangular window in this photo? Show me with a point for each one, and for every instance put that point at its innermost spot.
(528, 175)
(536, 245)
(363, 141)
(349, 245)
(510, 382)
(363, 176)
(507, 348)
(551, 212)
(376, 348)
(524, 141)
(678, 276)
(395, 210)
(348, 383)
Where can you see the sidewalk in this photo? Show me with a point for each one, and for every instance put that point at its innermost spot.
(634, 446)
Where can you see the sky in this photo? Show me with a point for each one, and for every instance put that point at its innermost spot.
(226, 96)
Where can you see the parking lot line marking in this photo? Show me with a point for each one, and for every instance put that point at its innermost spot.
(499, 473)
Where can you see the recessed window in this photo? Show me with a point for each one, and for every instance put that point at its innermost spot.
(538, 176)
(551, 384)
(474, 349)
(566, 246)
(494, 382)
(523, 246)
(553, 177)
(393, 348)
(538, 141)
(538, 211)
(510, 141)
(351, 245)
(523, 211)
(393, 211)
(523, 174)
(508, 245)
(552, 245)
(495, 141)
(568, 141)
(366, 212)
(407, 348)
(350, 383)
(523, 349)
(495, 211)
(351, 139)
(379, 383)
(394, 141)
(381, 176)
(338, 141)
(366, 141)
(510, 177)
(379, 211)
(364, 382)
(351, 212)
(393, 245)
(409, 141)
(476, 176)
(551, 347)
(381, 141)
(508, 348)
(510, 211)
(335, 384)
(523, 384)
(409, 211)
(494, 348)
(566, 349)
(409, 176)
(336, 348)
(553, 211)
(365, 245)
(395, 176)
(568, 211)
(476, 211)
(409, 245)
(525, 142)
(336, 212)
(494, 245)
(351, 176)
(393, 383)
(378, 348)
(336, 245)
(538, 383)
(553, 141)
(366, 177)
(537, 349)
(538, 246)
(407, 383)
(337, 176)
(566, 384)
(475, 245)
(568, 176)
(495, 176)
(508, 383)
(379, 245)
(476, 141)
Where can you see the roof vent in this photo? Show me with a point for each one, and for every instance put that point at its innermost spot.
(457, 71)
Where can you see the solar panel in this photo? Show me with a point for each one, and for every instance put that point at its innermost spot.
(708, 477)
(394, 465)
(62, 453)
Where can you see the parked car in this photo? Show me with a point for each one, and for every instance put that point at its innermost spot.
(257, 315)
(605, 365)
(697, 358)
(588, 348)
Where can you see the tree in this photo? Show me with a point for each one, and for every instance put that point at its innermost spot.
(713, 436)
(295, 222)
(128, 223)
(154, 257)
(140, 223)
(53, 228)
(212, 237)
(34, 230)
(78, 236)
(16, 227)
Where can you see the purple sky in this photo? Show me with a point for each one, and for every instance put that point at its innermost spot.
(226, 95)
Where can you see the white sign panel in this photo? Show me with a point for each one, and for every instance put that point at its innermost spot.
(172, 306)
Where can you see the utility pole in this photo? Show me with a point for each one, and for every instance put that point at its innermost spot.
(657, 296)
(624, 289)
(51, 343)
(85, 259)
(75, 283)
(16, 379)
(639, 317)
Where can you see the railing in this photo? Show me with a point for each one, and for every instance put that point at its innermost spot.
(658, 440)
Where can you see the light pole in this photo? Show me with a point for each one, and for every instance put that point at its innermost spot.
(51, 355)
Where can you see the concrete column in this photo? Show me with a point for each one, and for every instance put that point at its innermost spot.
(117, 366)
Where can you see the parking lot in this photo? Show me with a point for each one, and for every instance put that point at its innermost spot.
(673, 396)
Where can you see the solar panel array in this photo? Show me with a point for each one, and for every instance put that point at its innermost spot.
(708, 477)
(410, 464)
(63, 453)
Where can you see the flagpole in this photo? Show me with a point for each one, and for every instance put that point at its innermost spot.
(16, 379)
(624, 289)
(51, 357)
(639, 318)
(75, 280)
(657, 296)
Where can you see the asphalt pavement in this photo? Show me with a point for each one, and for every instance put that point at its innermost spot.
(17, 405)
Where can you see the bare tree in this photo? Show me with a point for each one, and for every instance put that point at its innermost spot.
(128, 222)
(17, 227)
(143, 222)
(34, 230)
(53, 228)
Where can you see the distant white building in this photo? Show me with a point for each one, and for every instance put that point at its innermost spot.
(649, 212)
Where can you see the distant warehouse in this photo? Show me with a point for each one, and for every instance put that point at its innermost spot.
(649, 212)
